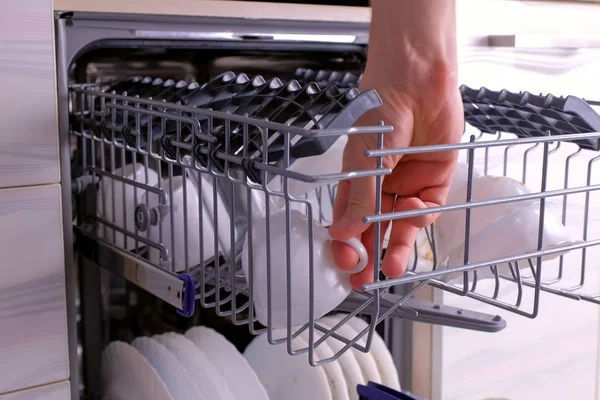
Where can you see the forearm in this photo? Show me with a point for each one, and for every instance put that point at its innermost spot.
(417, 37)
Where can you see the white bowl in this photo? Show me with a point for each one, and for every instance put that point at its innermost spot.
(450, 227)
(513, 235)
(124, 197)
(330, 162)
(200, 228)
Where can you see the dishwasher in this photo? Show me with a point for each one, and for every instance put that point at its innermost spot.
(203, 164)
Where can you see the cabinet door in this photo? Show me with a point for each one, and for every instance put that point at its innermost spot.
(56, 391)
(28, 115)
(33, 321)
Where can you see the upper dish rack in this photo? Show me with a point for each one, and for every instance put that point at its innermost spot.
(173, 175)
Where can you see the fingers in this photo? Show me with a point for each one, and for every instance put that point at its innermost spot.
(354, 201)
(368, 239)
(405, 230)
(344, 256)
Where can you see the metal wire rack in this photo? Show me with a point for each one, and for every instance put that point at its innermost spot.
(175, 177)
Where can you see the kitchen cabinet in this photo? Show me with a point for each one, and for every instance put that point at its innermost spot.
(56, 391)
(28, 116)
(33, 319)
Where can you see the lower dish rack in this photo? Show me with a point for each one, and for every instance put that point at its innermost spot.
(219, 195)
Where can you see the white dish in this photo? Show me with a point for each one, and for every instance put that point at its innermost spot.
(461, 175)
(337, 382)
(199, 367)
(512, 235)
(381, 354)
(126, 370)
(450, 226)
(174, 375)
(424, 254)
(350, 365)
(215, 215)
(330, 162)
(116, 201)
(331, 285)
(287, 377)
(239, 375)
(366, 362)
(321, 200)
(200, 226)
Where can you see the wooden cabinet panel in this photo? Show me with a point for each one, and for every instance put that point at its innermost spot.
(28, 115)
(56, 391)
(33, 319)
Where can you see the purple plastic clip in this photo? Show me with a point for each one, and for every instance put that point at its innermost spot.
(189, 295)
(375, 391)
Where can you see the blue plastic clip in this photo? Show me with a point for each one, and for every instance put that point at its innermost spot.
(375, 391)
(189, 295)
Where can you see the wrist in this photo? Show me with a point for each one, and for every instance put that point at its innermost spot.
(413, 39)
(415, 77)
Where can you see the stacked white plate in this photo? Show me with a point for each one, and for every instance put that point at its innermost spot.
(204, 365)
(291, 377)
(200, 365)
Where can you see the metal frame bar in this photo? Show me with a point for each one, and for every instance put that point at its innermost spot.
(65, 181)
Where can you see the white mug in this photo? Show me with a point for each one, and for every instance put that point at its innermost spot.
(125, 197)
(331, 285)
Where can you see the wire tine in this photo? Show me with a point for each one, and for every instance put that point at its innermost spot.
(471, 162)
(538, 276)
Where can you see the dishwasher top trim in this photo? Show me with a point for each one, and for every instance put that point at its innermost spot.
(86, 30)
(223, 8)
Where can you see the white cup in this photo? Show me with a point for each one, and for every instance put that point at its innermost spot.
(331, 285)
(461, 176)
(330, 162)
(449, 229)
(200, 228)
(513, 235)
(125, 197)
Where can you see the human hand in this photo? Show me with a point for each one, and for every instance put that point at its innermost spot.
(423, 112)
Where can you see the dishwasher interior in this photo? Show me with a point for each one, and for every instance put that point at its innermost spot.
(186, 142)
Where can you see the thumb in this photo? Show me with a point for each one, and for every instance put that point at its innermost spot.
(355, 200)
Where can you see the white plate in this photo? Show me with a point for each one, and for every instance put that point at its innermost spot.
(351, 372)
(176, 378)
(337, 382)
(199, 367)
(381, 354)
(126, 370)
(366, 362)
(239, 375)
(284, 376)
(350, 365)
